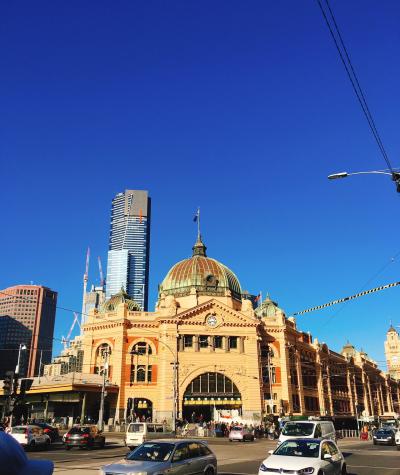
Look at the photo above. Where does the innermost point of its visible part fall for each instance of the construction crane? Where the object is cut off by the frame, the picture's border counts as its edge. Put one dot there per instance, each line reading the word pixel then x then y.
pixel 102 281
pixel 85 282
pixel 65 340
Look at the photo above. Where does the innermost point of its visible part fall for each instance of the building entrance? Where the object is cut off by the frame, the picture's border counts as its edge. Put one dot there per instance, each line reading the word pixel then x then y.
pixel 211 396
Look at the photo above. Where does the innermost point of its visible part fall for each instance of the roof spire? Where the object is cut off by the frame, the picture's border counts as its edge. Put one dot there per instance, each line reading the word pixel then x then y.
pixel 199 249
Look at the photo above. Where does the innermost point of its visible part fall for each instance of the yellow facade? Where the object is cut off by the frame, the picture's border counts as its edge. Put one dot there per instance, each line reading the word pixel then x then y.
pixel 206 348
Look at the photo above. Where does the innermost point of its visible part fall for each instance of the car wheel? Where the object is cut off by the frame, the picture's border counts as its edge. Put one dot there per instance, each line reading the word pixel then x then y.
pixel 68 447
pixel 344 469
pixel 209 471
pixel 32 445
pixel 131 448
pixel 102 444
pixel 374 442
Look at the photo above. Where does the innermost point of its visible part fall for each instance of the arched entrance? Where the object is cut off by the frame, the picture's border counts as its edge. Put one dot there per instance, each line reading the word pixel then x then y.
pixel 140 407
pixel 211 396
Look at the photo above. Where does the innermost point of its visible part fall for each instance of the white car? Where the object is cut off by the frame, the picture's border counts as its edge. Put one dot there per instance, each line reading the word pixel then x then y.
pixel 30 436
pixel 305 457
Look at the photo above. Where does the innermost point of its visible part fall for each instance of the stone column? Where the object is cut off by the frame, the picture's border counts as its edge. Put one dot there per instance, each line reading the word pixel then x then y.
pixel 328 381
pixel 241 344
pixel 300 381
pixel 196 342
pixel 286 380
pixel 380 399
pixel 371 402
pixel 83 408
pixel 350 390
pixel 320 384
pixel 225 343
pixel 389 397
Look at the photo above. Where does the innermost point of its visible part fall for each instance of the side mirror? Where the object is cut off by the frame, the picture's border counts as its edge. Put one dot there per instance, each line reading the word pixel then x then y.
pixel 327 457
pixel 270 452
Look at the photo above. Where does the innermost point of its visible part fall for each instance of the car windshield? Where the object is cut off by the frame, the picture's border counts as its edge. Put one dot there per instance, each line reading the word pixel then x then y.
pixel 237 428
pixel 135 428
pixel 384 432
pixel 298 429
pixel 79 430
pixel 298 448
pixel 156 452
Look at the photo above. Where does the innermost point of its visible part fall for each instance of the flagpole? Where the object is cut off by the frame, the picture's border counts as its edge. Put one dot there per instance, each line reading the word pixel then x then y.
pixel 198 224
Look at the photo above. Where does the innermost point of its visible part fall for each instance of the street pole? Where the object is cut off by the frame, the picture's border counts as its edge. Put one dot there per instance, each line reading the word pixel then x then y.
pixel 103 391
pixel 40 365
pixel 271 403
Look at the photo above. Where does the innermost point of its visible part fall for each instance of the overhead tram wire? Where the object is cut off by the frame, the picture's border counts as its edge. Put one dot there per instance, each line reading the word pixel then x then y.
pixel 379 272
pixel 353 79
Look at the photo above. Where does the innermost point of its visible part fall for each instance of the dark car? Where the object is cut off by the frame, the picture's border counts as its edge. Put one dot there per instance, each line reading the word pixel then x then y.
pixel 51 431
pixel 84 437
pixel 384 436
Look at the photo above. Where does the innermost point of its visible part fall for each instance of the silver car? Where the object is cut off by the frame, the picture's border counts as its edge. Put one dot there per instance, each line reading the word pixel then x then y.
pixel 175 456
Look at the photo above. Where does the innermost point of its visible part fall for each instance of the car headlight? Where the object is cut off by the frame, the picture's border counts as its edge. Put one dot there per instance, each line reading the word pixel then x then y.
pixel 263 468
pixel 136 473
pixel 306 471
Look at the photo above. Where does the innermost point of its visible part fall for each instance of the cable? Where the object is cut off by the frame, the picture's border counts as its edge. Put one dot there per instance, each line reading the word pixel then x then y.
pixel 354 80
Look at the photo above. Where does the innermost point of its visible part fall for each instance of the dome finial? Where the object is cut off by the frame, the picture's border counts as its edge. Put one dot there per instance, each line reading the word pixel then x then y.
pixel 199 249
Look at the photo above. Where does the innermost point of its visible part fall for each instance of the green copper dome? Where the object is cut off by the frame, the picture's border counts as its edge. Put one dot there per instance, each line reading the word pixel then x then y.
pixel 121 297
pixel 206 275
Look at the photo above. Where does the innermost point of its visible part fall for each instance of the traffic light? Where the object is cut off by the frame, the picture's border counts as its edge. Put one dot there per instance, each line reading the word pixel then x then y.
pixel 15 384
pixel 8 383
pixel 25 386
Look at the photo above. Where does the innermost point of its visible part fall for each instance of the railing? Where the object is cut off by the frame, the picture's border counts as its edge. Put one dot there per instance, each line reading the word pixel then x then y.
pixel 347 433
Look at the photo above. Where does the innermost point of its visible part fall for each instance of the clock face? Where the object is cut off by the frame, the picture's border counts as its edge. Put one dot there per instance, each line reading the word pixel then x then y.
pixel 211 321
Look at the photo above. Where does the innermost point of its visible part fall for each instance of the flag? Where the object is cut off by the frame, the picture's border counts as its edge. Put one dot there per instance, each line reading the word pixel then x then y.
pixel 258 297
pixel 140 216
pixel 196 216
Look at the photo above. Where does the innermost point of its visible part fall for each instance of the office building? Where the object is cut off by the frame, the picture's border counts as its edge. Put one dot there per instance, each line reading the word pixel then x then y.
pixel 33 307
pixel 12 334
pixel 129 243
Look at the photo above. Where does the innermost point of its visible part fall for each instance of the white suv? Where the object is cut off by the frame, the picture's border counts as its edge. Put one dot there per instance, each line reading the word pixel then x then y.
pixel 30 436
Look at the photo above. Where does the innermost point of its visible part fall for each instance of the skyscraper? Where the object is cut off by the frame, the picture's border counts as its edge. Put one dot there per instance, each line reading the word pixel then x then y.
pixel 129 246
pixel 27 315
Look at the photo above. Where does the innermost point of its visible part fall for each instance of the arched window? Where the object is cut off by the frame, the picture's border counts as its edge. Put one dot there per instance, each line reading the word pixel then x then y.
pixel 142 348
pixel 212 383
pixel 103 355
pixel 141 368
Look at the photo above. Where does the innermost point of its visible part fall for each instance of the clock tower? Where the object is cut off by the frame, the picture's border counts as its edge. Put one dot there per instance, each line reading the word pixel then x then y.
pixel 392 352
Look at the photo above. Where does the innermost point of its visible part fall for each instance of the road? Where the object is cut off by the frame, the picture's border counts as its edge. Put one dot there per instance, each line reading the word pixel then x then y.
pixel 362 458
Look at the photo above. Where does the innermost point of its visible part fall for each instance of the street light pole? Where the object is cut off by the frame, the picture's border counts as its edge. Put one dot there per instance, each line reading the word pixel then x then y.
pixel 21 347
pixel 395 175
pixel 103 390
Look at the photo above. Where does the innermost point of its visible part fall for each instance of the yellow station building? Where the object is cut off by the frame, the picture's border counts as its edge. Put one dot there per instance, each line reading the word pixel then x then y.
pixel 205 351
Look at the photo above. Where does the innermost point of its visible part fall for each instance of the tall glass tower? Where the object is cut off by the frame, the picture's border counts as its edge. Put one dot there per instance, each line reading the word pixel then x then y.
pixel 129 246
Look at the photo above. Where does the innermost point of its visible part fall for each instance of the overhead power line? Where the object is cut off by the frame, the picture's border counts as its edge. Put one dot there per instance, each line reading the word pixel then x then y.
pixel 348 65
pixel 345 299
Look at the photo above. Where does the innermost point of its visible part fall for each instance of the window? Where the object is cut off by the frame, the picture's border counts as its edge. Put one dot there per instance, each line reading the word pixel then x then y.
pixel 181 453
pixel 194 450
pixel 188 341
pixel 203 341
pixel 233 342
pixel 218 342
pixel 142 348
pixel 141 374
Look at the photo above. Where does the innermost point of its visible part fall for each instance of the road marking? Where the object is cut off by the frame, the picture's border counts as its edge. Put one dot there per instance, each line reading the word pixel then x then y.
pixel 373 466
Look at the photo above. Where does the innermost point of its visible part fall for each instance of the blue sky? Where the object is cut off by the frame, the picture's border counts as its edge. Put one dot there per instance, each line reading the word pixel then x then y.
pixel 240 108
